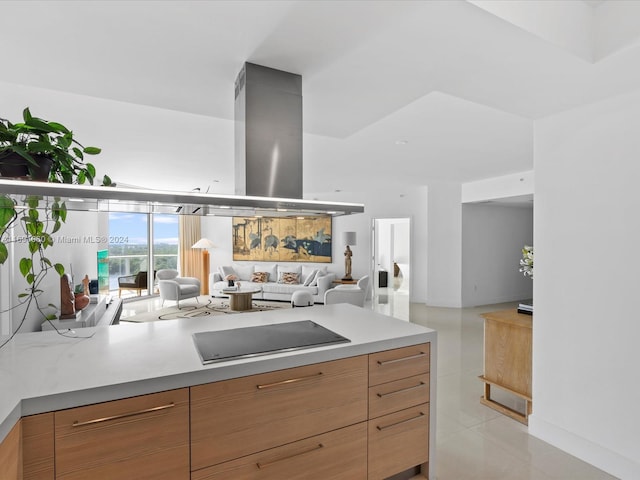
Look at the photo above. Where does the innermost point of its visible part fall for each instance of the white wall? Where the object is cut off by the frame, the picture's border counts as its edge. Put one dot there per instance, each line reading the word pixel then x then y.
pixel 444 245
pixel 492 241
pixel 586 328
pixel 505 186
pixel 141 146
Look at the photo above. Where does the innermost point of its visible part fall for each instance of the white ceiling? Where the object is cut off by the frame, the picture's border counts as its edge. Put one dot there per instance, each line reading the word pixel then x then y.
pixel 460 82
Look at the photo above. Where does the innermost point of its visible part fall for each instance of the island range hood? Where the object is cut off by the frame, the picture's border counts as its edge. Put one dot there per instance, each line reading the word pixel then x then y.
pixel 268 164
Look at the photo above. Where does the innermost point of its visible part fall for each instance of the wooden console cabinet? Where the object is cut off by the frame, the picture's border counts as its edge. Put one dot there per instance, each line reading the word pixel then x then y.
pixel 507 359
pixel 357 418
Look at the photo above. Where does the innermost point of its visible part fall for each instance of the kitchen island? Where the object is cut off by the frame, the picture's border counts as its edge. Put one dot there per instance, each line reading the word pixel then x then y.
pixel 278 411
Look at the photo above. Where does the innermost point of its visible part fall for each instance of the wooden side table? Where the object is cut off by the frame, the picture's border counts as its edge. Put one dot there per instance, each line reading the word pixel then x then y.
pixel 507 359
pixel 346 282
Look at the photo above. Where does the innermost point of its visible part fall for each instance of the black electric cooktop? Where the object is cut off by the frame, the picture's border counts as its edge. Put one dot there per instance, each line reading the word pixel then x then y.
pixel 223 345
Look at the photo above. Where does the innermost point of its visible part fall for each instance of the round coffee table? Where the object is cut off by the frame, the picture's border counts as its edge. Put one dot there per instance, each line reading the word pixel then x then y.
pixel 240 300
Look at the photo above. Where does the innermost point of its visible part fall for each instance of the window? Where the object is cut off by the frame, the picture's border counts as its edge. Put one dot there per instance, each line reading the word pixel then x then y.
pixel 130 248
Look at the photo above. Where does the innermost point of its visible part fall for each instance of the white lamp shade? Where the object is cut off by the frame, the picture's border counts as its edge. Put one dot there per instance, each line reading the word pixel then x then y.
pixel 349 238
pixel 203 243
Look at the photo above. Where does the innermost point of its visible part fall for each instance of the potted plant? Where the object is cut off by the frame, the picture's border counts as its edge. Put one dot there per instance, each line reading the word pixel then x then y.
pixel 44 150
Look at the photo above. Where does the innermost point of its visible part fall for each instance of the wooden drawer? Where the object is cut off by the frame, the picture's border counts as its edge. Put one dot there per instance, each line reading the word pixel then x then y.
pixel 400 363
pixel 144 437
pixel 393 396
pixel 398 441
pixel 233 418
pixel 337 455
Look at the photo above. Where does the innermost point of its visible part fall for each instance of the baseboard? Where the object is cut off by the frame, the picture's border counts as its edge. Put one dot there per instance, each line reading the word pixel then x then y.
pixel 600 457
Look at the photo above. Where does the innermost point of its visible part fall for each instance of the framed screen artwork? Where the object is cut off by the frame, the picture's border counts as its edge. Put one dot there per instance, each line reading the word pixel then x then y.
pixel 280 239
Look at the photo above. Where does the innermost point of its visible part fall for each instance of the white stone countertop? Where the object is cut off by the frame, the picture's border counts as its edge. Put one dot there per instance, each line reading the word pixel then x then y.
pixel 43 371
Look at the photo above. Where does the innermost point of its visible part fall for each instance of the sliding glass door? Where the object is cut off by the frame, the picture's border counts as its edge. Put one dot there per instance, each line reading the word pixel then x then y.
pixel 134 239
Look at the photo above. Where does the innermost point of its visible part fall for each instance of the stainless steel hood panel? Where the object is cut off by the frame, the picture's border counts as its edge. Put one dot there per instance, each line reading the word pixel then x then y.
pixel 268 132
pixel 116 199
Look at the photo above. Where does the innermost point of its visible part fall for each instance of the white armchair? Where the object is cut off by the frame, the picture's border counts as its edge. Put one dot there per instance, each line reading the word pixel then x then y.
pixel 173 287
pixel 354 294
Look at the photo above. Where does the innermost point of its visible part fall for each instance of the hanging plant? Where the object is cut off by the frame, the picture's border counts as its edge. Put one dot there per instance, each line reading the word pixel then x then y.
pixel 32 143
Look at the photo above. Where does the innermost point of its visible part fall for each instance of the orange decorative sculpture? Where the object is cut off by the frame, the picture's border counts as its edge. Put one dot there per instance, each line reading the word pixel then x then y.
pixel 67 300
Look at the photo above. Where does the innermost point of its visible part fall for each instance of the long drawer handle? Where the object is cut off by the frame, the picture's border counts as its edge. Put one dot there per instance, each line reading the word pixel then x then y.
pixel 381 395
pixel 401 359
pixel 123 415
pixel 290 380
pixel 400 422
pixel 268 464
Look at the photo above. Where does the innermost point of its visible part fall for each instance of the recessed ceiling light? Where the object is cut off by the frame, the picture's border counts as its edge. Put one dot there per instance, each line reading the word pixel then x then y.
pixel 402 142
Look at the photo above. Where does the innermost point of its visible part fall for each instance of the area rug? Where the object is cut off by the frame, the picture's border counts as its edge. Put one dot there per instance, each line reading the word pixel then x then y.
pixel 212 307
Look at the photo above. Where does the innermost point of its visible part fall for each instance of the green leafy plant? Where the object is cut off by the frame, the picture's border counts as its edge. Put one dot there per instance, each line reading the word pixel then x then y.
pixel 37 219
pixel 35 141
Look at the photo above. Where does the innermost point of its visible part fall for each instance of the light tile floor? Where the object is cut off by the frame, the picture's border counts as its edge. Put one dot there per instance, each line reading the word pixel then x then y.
pixel 472 440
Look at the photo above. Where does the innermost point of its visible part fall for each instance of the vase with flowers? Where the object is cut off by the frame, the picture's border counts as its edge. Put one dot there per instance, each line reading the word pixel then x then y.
pixel 526 262
pixel 526 268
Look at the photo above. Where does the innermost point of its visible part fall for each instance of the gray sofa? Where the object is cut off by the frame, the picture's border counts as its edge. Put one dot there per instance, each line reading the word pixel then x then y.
pixel 314 279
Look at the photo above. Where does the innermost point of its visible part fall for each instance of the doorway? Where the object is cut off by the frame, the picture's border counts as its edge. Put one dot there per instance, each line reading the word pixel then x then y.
pixel 391 265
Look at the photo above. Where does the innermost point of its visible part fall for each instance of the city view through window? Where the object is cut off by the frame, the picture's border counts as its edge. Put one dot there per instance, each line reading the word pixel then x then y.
pixel 130 249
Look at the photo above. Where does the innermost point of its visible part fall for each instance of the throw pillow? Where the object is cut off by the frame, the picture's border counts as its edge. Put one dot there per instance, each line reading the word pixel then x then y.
pixel 307 271
pixel 310 278
pixel 319 275
pixel 226 271
pixel 244 272
pixel 289 278
pixel 271 269
pixel 260 277
pixel 289 269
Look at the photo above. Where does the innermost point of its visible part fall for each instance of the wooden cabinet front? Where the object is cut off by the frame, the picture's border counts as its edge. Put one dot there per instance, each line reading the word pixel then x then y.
pixel 10 454
pixel 399 363
pixel 337 455
pixel 144 437
pixel 38 447
pixel 508 360
pixel 399 402
pixel 234 418
pixel 393 396
pixel 398 441
pixel 349 419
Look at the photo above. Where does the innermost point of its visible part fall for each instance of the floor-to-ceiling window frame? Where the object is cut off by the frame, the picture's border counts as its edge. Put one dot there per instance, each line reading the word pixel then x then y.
pixel 134 239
